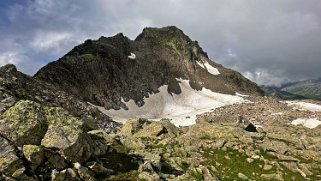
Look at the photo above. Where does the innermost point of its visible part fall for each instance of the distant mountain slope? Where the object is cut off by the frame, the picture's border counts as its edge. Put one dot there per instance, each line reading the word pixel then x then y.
pixel 278 93
pixel 309 89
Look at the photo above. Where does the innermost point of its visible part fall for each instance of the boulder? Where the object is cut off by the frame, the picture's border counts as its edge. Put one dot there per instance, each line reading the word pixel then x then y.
pixel 273 176
pixel 246 124
pixel 99 169
pixel 34 154
pixel 9 161
pixel 149 176
pixel 21 175
pixel 66 134
pixel 241 176
pixel 207 176
pixel 156 129
pixel 132 143
pixel 84 173
pixel 55 160
pixel 64 175
pixel 133 126
pixel 101 141
pixel 24 123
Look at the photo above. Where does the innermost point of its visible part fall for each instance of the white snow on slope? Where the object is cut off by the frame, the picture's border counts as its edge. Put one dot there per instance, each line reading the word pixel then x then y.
pixel 304 106
pixel 200 64
pixel 309 123
pixel 181 108
pixel 209 68
pixel 241 95
pixel 132 56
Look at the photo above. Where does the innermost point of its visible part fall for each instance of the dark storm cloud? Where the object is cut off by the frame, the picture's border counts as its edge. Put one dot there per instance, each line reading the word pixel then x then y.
pixel 268 41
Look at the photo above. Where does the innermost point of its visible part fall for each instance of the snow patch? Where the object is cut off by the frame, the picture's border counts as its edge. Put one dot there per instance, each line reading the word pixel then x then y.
pixel 132 56
pixel 277 113
pixel 200 64
pixel 241 95
pixel 210 69
pixel 309 123
pixel 304 106
pixel 181 109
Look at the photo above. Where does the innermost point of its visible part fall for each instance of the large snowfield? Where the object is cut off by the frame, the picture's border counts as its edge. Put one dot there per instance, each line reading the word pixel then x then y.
pixel 181 109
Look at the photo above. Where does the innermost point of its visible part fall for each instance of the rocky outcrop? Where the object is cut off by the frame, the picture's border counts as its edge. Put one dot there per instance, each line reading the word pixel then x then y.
pixel 36 139
pixel 15 86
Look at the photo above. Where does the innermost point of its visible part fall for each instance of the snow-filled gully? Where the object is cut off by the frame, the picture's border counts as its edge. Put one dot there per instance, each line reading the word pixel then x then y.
pixel 181 109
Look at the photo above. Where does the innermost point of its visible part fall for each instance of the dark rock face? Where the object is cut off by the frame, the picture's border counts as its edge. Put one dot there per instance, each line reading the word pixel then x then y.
pixel 100 71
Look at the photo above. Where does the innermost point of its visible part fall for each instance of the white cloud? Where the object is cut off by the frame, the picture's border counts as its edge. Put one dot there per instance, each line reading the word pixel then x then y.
pixel 10 58
pixel 279 38
pixel 264 77
pixel 51 42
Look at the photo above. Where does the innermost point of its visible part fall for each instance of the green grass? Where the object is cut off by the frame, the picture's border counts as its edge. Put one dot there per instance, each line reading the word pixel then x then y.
pixel 197 175
pixel 230 162
pixel 184 166
pixel 227 169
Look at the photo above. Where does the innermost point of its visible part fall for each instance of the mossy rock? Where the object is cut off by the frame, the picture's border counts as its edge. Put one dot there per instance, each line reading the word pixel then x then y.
pixel 65 133
pixel 9 161
pixel 24 123
pixel 133 126
pixel 34 154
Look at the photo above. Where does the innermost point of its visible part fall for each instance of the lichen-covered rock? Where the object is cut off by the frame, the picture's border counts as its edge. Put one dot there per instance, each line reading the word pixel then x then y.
pixel 273 176
pixel 101 141
pixel 133 126
pixel 155 129
pixel 66 134
pixel 98 168
pixel 6 102
pixel 102 135
pixel 24 123
pixel 55 161
pixel 34 154
pixel 21 175
pixel 64 175
pixel 207 176
pixel 9 161
pixel 58 176
pixel 84 173
pixel 149 176
pixel 132 143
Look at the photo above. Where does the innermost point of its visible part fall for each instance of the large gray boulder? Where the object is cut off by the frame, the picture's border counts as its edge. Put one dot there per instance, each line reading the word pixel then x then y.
pixel 66 133
pixel 24 123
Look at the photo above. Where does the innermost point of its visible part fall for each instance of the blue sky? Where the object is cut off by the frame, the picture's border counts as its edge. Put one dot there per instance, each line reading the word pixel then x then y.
pixel 270 42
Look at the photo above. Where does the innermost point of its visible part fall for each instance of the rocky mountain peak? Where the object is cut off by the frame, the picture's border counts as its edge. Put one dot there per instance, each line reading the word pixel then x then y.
pixel 171 38
pixel 104 71
pixel 154 34
pixel 9 68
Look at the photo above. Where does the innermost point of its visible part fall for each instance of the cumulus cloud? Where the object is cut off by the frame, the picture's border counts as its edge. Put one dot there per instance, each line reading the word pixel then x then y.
pixel 270 42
